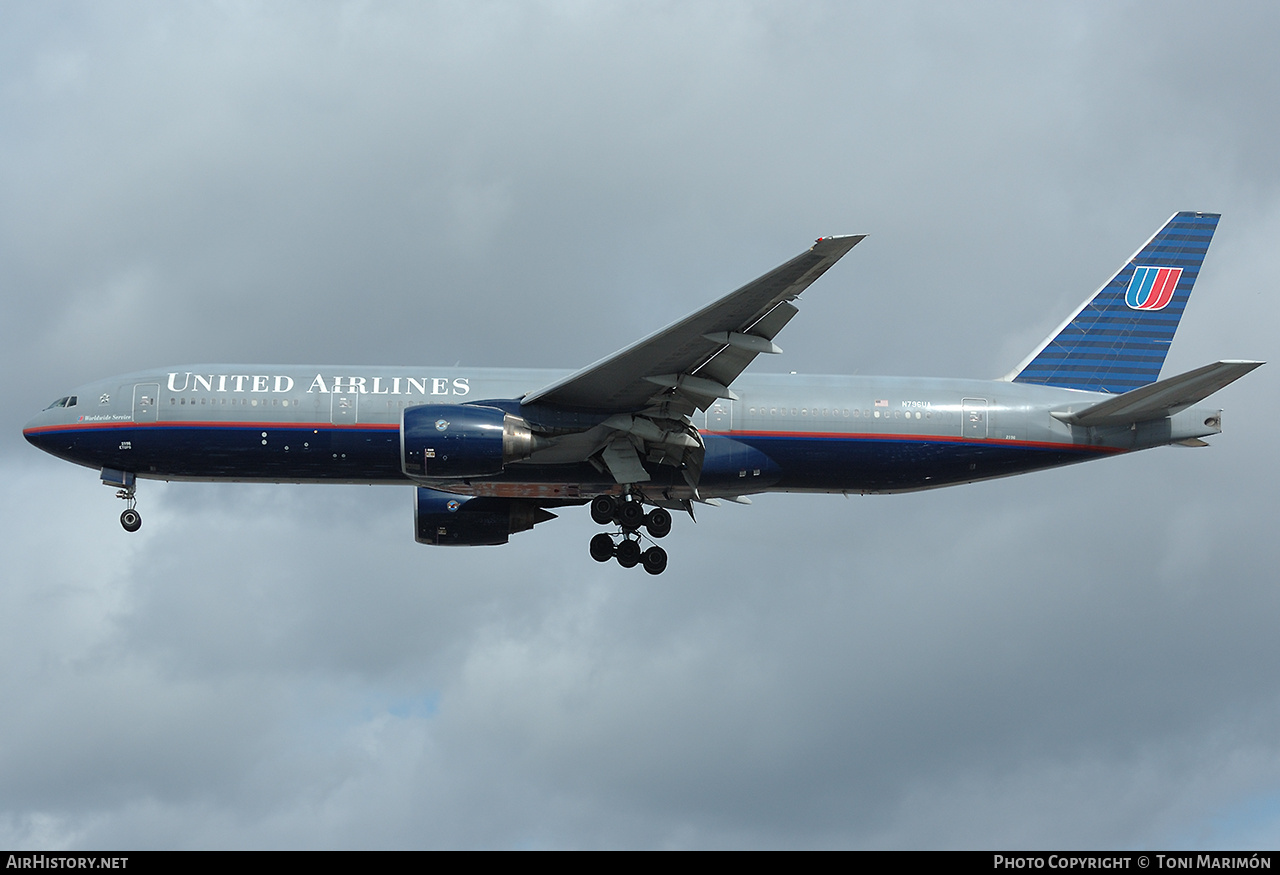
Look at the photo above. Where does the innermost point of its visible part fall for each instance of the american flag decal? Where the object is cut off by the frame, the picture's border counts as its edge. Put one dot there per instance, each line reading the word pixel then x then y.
pixel 1152 287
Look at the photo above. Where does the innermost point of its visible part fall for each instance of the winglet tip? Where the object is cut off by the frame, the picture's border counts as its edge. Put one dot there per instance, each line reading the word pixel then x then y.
pixel 844 242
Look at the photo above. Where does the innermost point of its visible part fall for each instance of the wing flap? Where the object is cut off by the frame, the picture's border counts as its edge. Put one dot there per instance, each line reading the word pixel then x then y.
pixel 771 323
pixel 1160 399
pixel 725 366
pixel 623 462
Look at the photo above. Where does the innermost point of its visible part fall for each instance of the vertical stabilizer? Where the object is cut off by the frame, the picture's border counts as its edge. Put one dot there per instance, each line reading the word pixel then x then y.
pixel 1118 339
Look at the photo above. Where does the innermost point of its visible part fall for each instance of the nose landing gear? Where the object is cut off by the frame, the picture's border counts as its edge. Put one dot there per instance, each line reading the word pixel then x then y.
pixel 130 520
pixel 630 516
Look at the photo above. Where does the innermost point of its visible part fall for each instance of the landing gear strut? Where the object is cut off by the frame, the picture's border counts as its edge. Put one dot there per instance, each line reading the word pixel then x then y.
pixel 629 515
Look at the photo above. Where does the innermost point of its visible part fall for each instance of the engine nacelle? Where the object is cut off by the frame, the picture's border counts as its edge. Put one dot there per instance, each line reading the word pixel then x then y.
pixel 444 519
pixel 461 440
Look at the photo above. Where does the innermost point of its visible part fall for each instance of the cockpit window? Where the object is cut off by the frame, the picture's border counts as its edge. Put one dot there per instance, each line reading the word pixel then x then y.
pixel 71 400
pixel 61 402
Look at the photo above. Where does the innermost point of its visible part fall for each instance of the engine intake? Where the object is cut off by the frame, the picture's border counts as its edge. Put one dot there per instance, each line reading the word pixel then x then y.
pixel 461 440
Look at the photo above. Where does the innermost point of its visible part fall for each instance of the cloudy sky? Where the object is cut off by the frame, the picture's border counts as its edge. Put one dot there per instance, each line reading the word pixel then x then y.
pixel 1078 658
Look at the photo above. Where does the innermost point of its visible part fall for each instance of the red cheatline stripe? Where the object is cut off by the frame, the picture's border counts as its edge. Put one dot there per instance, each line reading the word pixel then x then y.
pixel 92 426
pixel 917 438
pixel 370 426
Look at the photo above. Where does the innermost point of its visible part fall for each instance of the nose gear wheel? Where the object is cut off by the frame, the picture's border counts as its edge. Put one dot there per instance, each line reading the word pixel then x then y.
pixel 131 520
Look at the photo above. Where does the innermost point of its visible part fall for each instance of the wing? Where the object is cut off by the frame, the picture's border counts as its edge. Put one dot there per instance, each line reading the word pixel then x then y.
pixel 690 363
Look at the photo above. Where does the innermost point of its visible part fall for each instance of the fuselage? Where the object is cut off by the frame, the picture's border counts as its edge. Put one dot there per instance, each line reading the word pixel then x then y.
pixel 788 432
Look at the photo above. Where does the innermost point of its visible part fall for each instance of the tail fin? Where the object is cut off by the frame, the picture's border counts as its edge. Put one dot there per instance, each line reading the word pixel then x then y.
pixel 1118 339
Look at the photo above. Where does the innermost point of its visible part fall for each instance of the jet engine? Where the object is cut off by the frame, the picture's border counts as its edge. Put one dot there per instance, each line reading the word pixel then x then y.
pixel 461 440
pixel 445 519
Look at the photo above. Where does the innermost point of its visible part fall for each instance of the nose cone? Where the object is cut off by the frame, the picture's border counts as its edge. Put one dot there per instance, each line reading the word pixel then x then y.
pixel 64 429
pixel 47 430
pixel 37 431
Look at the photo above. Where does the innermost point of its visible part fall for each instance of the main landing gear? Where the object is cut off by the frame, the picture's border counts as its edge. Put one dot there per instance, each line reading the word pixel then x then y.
pixel 628 513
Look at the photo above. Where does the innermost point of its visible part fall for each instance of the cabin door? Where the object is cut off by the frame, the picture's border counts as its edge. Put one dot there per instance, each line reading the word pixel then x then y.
pixel 344 407
pixel 145 396
pixel 720 415
pixel 973 417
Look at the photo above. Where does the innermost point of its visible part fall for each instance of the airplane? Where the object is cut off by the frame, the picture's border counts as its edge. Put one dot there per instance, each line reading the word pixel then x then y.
pixel 666 422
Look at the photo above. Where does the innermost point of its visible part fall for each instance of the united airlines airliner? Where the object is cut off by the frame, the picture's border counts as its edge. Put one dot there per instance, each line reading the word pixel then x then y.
pixel 666 422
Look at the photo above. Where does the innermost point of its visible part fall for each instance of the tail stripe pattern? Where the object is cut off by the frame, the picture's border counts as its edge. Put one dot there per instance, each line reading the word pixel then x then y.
pixel 1118 339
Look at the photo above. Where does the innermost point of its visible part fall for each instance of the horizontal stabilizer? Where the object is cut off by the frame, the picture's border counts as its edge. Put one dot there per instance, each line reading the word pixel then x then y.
pixel 1160 399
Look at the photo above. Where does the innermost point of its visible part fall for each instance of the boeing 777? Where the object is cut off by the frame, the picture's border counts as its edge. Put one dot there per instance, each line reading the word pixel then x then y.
pixel 665 422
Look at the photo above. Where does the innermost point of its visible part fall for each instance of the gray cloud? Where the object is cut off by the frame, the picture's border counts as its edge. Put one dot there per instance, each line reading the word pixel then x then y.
pixel 1083 657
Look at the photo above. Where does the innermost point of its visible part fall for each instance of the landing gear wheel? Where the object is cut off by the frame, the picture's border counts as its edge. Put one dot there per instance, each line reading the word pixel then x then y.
pixel 658 524
pixel 603 507
pixel 655 560
pixel 629 554
pixel 631 515
pixel 131 520
pixel 602 548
